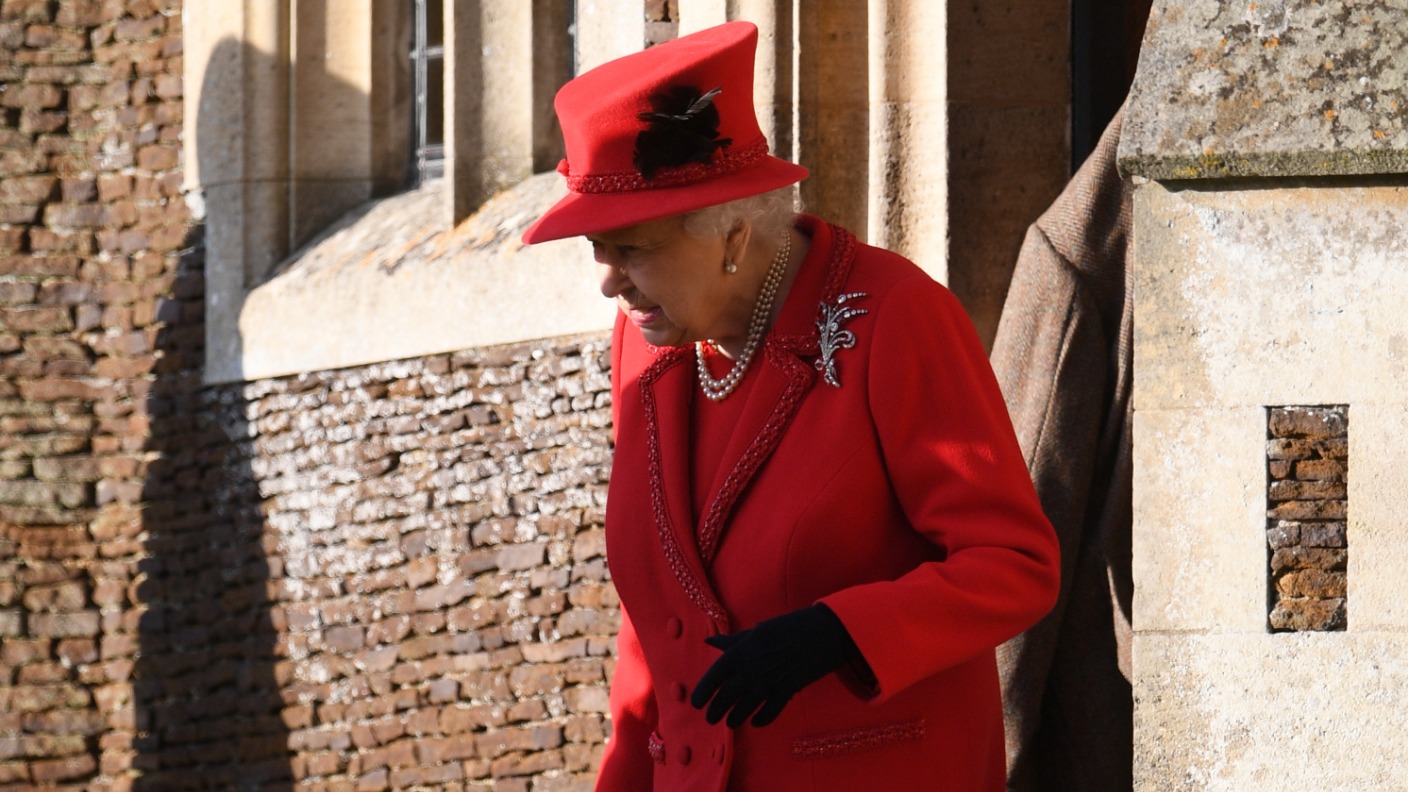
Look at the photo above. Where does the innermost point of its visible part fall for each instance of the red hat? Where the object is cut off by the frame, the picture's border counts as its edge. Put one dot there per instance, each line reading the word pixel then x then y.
pixel 662 132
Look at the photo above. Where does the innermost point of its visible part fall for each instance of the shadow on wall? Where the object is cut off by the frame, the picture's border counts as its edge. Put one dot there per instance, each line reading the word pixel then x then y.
pixel 387 576
pixel 208 703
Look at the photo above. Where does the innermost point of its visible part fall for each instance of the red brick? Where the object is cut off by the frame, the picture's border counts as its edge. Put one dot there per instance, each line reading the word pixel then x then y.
pixel 65 292
pixel 60 598
pixel 39 266
pixel 124 367
pixel 27 10
pixel 88 13
pixel 17 292
pixel 20 651
pixel 27 189
pixel 129 29
pixel 47 319
pixel 75 215
pixel 158 158
pixel 49 240
pixel 64 625
pixel 37 122
pixel 54 347
pixel 71 768
pixel 112 186
pixel 50 390
pixel 168 86
pixel 18 215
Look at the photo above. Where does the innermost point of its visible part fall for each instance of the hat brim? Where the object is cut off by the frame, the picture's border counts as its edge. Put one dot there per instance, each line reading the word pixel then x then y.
pixel 578 214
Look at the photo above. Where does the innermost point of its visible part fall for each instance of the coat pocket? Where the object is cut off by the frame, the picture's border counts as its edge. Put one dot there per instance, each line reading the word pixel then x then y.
pixel 857 740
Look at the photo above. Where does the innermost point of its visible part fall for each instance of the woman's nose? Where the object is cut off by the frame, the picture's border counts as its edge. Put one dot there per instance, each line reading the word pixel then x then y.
pixel 613 280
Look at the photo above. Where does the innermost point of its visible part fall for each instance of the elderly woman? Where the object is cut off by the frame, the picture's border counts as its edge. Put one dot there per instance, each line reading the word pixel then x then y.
pixel 819 521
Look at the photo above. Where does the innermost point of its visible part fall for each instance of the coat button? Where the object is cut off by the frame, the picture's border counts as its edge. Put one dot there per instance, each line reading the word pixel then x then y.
pixel 674 627
pixel 679 691
pixel 685 754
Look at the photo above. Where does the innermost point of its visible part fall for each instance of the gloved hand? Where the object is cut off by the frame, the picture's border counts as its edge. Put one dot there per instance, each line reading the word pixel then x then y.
pixel 762 668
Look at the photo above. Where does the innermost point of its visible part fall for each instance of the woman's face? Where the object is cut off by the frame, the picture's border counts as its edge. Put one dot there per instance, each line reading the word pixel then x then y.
pixel 670 284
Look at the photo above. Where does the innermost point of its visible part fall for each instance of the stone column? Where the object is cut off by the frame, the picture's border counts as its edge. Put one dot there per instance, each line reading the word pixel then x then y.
pixel 1271 635
pixel 1008 108
pixel 831 123
pixel 908 186
pixel 330 146
pixel 236 150
pixel 496 55
pixel 608 29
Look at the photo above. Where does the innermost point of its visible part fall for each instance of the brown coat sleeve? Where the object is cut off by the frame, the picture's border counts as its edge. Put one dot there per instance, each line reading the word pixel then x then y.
pixel 1063 358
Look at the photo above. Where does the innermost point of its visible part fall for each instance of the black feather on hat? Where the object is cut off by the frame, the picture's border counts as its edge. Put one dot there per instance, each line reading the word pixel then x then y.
pixel 683 127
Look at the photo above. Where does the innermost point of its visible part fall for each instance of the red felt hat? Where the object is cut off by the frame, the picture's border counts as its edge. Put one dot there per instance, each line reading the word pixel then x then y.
pixel 648 136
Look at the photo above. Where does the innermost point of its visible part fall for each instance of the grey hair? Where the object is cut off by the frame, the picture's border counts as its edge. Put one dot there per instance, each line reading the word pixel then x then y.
pixel 770 214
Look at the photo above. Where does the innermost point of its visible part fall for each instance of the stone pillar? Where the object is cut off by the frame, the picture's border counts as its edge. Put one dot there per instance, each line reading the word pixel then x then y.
pixel 236 149
pixel 908 189
pixel 330 148
pixel 1268 144
pixel 608 29
pixel 832 116
pixel 496 54
pixel 1008 108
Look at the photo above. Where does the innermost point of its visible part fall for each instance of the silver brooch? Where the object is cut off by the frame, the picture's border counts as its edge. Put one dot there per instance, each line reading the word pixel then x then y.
pixel 833 338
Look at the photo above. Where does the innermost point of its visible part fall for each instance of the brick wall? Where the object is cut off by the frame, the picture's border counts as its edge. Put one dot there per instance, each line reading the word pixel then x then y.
pixel 1307 452
pixel 91 228
pixel 385 577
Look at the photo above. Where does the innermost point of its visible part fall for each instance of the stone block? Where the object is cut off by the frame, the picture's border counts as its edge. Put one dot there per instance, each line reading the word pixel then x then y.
pixel 1315 583
pixel 64 625
pixel 1308 422
pixel 69 768
pixel 1213 690
pixel 1200 520
pixel 1258 340
pixel 31 95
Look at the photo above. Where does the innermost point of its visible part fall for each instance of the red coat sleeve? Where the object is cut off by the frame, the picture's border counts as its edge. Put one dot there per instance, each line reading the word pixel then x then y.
pixel 955 466
pixel 626 764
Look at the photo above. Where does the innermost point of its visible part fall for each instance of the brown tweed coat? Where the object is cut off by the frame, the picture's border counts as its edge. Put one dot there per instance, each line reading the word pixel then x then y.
pixel 1063 356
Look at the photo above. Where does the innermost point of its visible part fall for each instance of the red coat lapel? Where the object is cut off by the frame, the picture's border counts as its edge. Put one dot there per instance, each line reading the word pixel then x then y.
pixel 783 380
pixel 665 394
pixel 785 374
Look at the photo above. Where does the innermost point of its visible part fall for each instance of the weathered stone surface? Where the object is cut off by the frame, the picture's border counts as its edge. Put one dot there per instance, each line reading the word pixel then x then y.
pixel 1295 88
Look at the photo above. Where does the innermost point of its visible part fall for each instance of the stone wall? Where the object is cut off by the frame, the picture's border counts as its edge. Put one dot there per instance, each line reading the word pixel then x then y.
pixel 380 577
pixel 387 577
pixel 1307 452
pixel 92 312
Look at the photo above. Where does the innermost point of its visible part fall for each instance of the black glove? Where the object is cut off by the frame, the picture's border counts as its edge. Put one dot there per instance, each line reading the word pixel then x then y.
pixel 762 668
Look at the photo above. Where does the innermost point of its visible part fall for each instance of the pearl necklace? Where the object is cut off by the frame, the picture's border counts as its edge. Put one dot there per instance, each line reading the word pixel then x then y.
pixel 719 389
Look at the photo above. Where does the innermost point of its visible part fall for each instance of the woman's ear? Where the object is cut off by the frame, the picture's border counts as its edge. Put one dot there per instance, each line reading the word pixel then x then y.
pixel 736 240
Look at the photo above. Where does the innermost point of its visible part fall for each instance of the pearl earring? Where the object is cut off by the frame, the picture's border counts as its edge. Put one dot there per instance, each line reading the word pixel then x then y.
pixel 729 266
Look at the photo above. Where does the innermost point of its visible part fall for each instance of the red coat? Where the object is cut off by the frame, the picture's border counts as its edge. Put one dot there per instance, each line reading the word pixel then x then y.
pixel 899 499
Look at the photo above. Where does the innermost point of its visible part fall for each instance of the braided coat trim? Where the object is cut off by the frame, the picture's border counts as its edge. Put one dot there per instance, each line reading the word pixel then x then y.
pixel 699 593
pixel 859 740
